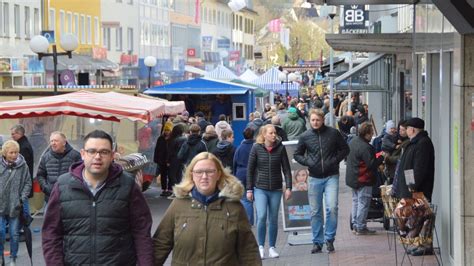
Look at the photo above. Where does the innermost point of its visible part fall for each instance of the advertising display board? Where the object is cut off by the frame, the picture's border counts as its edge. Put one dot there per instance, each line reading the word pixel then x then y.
pixel 296 212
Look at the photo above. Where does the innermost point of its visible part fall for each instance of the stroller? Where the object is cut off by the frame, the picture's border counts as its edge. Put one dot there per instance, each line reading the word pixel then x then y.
pixel 376 209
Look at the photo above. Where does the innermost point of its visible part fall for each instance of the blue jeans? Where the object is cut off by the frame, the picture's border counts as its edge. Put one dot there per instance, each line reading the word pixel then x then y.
pixel 248 206
pixel 267 200
pixel 14 224
pixel 329 188
pixel 360 206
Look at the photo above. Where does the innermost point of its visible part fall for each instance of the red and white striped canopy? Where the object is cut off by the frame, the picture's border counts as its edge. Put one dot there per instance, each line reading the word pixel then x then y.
pixel 111 106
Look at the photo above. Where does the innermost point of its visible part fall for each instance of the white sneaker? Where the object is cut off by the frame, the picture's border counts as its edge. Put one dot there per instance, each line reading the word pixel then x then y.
pixel 12 263
pixel 272 253
pixel 261 249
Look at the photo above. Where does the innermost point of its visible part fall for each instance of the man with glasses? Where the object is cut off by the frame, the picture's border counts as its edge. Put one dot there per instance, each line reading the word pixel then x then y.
pixel 97 214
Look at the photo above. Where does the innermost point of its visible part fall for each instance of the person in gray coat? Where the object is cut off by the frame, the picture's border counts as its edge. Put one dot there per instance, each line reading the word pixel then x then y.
pixel 15 185
pixel 55 161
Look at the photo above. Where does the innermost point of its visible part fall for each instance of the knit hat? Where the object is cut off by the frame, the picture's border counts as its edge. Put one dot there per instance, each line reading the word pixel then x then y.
pixel 168 126
pixel 416 123
pixel 389 125
pixel 292 110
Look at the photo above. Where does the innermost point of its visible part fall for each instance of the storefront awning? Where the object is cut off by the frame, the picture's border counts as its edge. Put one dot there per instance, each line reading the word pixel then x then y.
pixel 390 43
pixel 358 68
pixel 80 63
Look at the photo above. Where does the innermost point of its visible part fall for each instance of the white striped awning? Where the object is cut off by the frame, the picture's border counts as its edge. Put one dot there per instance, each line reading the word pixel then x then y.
pixel 248 76
pixel 269 81
pixel 222 73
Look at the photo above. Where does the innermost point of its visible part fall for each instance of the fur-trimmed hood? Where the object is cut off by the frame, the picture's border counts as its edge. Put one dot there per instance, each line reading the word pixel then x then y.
pixel 233 190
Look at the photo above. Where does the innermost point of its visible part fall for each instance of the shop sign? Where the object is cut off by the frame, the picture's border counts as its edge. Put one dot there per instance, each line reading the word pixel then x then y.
pixel 191 52
pixel 9 64
pixel 206 43
pixel 128 59
pixel 99 53
pixel 234 55
pixel 355 18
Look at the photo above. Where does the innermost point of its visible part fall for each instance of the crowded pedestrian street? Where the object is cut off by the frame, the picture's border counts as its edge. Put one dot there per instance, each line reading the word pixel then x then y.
pixel 350 249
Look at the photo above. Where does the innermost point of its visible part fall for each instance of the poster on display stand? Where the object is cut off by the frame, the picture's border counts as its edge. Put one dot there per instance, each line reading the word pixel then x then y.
pixel 296 212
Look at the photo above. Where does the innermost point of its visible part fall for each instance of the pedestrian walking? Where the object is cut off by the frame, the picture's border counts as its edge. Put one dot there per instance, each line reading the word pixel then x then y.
pixel 361 176
pixel 15 186
pixel 161 159
pixel 210 138
pixel 225 149
pixel 206 224
pixel 55 161
pixel 97 214
pixel 293 125
pixel 321 149
pixel 175 165
pixel 192 146
pixel 267 160
pixel 241 160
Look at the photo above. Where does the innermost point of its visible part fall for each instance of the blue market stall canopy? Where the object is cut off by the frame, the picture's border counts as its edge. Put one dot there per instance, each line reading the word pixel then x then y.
pixel 201 86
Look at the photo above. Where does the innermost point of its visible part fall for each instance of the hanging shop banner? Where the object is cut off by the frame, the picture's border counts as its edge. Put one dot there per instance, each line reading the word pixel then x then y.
pixel 355 19
pixel 296 211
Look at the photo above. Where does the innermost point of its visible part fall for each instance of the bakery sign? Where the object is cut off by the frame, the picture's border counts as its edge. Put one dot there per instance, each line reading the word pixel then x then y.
pixel 355 19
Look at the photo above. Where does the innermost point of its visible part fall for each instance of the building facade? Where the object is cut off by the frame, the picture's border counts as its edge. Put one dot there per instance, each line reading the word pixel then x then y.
pixel 243 39
pixel 19 22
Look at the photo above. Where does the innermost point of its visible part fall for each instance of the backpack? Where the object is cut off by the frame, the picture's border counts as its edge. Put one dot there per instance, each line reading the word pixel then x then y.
pixel 377 143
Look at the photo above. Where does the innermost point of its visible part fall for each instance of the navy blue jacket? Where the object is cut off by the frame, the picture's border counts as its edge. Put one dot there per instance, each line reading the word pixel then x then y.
pixel 241 160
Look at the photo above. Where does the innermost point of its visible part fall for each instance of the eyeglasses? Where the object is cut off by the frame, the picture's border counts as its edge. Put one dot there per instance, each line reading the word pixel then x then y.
pixel 200 172
pixel 94 152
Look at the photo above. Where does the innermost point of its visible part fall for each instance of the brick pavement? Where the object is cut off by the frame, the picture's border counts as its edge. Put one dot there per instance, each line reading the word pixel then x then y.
pixel 350 249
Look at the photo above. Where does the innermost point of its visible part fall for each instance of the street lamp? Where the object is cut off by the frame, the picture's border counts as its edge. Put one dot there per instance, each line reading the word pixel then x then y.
pixel 39 44
pixel 287 78
pixel 150 62
pixel 330 12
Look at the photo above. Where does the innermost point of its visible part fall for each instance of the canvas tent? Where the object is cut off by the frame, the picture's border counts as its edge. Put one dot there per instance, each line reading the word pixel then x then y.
pixel 221 73
pixel 269 81
pixel 110 106
pixel 248 76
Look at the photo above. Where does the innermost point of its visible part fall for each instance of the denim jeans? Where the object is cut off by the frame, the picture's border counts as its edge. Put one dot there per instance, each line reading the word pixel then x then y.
pixel 360 206
pixel 26 208
pixel 248 206
pixel 329 188
pixel 14 234
pixel 267 202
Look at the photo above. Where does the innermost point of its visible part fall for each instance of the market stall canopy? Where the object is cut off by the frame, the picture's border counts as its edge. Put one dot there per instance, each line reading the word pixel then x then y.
pixel 194 70
pixel 80 63
pixel 269 81
pixel 110 106
pixel 201 86
pixel 248 76
pixel 222 73
pixel 258 92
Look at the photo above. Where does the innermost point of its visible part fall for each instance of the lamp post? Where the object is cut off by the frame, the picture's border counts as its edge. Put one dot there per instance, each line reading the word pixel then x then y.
pixel 330 12
pixel 150 62
pixel 287 78
pixel 39 44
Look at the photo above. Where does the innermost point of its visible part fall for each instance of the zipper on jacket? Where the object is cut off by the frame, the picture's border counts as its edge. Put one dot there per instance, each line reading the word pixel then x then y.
pixel 321 150
pixel 269 170
pixel 205 241
pixel 93 222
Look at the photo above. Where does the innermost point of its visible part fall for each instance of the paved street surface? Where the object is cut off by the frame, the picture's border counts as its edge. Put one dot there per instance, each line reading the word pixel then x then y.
pixel 350 249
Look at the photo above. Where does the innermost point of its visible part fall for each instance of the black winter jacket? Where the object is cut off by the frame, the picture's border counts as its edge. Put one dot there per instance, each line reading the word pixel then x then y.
pixel 419 155
pixel 225 152
pixel 321 150
pixel 53 164
pixel 161 150
pixel 192 147
pixel 265 168
pixel 361 164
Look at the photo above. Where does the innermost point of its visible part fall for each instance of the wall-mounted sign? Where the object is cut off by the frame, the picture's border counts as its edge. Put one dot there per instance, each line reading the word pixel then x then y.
pixel 355 17
pixel 48 34
pixel 234 55
pixel 191 52
pixel 99 53
pixel 128 59
pixel 223 43
pixel 67 78
pixel 206 43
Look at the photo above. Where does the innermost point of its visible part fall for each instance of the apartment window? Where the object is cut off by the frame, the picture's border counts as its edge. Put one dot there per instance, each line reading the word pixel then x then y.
pixel 96 31
pixel 36 21
pixel 118 39
pixel 204 15
pixel 69 22
pixel 76 25
pixel 6 19
pixel 16 12
pixel 61 21
pixel 214 16
pixel 89 30
pixel 27 22
pixel 240 23
pixel 106 36
pixel 52 19
pixel 83 29
pixel 130 39
pixel 218 17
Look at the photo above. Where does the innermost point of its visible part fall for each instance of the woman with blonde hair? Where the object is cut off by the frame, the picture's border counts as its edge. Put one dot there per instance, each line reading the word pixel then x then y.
pixel 15 186
pixel 207 200
pixel 267 160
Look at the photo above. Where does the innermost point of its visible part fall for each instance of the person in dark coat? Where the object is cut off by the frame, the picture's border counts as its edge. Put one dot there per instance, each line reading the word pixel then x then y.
pixel 280 131
pixel 193 145
pixel 97 213
pixel 419 156
pixel 210 138
pixel 256 123
pixel 241 160
pixel 361 174
pixel 225 149
pixel 174 145
pixel 201 121
pixel 391 160
pixel 161 159
pixel 55 161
